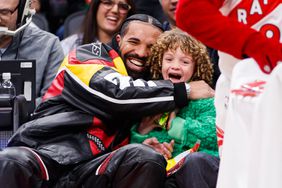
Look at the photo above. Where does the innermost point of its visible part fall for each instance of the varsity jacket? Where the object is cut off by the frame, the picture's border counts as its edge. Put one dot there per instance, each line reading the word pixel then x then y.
pixel 89 108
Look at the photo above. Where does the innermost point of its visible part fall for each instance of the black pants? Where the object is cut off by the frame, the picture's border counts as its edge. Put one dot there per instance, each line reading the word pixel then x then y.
pixel 133 166
pixel 200 170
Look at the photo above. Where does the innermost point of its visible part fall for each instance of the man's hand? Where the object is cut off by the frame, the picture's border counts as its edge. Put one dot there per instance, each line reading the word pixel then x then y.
pixel 200 90
pixel 163 148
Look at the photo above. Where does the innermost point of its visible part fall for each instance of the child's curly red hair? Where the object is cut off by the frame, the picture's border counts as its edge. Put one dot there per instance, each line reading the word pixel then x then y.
pixel 171 40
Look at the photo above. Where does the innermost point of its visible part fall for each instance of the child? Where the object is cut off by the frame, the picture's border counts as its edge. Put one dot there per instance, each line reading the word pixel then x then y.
pixel 180 58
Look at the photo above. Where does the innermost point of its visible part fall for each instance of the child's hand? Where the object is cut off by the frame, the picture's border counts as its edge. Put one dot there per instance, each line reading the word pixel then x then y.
pixel 163 148
pixel 168 149
pixel 148 123
pixel 172 115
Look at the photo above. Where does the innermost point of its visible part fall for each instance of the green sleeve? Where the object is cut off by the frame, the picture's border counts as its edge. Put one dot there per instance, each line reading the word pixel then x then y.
pixel 160 134
pixel 135 137
pixel 197 122
pixel 176 129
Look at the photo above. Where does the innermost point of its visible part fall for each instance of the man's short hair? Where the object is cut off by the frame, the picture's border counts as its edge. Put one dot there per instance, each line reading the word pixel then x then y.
pixel 142 18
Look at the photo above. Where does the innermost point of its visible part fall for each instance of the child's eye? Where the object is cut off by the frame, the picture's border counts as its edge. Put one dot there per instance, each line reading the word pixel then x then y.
pixel 168 59
pixel 186 62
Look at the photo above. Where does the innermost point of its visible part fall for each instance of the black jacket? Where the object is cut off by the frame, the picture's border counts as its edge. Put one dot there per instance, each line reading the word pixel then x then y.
pixel 90 106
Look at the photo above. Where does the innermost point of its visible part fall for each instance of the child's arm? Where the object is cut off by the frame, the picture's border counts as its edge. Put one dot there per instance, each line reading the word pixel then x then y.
pixel 148 123
pixel 135 136
pixel 197 122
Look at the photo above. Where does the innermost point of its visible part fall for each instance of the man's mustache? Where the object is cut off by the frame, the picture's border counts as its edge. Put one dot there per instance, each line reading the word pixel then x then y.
pixel 135 56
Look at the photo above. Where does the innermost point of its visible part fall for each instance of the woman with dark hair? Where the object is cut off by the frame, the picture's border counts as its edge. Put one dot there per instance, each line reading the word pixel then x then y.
pixel 103 19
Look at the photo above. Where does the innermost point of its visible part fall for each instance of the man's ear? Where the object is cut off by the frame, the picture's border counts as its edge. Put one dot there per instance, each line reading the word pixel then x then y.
pixel 118 39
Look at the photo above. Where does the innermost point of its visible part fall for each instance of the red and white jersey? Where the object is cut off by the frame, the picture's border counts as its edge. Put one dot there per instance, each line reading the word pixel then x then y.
pixel 264 16
pixel 227 25
pixel 228 33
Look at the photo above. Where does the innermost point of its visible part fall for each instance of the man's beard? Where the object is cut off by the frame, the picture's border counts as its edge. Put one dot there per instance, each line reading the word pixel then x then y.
pixel 138 75
pixel 144 74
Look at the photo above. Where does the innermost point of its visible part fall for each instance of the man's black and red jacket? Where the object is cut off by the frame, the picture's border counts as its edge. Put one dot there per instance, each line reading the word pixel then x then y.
pixel 90 106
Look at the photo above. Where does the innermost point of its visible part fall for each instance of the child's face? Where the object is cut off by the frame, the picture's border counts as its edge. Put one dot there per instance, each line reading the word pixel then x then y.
pixel 177 66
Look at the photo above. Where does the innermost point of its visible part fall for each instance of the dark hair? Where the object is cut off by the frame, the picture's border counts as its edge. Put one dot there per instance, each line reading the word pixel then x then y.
pixel 21 6
pixel 142 18
pixel 89 30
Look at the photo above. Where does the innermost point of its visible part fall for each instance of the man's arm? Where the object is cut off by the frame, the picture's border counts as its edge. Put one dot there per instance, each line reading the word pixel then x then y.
pixel 94 84
pixel 109 92
pixel 213 29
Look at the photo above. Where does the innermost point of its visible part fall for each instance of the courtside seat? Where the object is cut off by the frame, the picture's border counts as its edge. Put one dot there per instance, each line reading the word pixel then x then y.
pixel 13 113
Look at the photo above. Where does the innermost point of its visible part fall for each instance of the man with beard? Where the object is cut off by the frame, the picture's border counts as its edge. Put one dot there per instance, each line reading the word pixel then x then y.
pixel 77 134
pixel 29 43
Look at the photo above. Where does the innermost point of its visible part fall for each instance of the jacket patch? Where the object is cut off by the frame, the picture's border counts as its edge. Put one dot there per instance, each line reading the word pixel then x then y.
pixel 97 141
pixel 96 49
